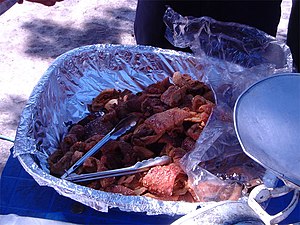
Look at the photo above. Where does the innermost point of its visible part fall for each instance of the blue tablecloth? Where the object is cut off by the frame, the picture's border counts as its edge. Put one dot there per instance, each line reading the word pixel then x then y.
pixel 21 195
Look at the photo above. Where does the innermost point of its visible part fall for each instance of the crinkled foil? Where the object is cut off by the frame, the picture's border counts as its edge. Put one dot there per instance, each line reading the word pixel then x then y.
pixel 61 97
pixel 75 78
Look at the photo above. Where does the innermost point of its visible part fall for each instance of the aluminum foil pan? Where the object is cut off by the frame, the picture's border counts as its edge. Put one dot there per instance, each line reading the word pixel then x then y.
pixel 76 77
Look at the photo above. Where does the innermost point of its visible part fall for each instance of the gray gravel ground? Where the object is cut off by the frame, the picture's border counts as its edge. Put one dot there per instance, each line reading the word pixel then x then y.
pixel 32 36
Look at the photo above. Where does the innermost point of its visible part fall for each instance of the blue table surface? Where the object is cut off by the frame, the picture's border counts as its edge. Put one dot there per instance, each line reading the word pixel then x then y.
pixel 21 195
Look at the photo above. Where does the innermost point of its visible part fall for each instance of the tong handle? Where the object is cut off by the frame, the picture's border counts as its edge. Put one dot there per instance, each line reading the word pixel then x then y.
pixel 121 128
pixel 138 167
pixel 91 152
pixel 157 161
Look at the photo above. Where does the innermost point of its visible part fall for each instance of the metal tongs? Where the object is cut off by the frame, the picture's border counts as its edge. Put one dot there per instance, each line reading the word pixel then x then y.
pixel 121 128
pixel 138 167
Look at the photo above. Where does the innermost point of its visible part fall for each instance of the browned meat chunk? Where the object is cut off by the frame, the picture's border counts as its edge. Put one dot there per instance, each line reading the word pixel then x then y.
pixel 78 146
pixel 76 156
pixel 152 105
pixel 194 131
pixel 106 182
pixel 209 95
pixel 55 156
pixel 173 96
pixel 176 154
pixel 92 141
pixel 217 191
pixel 143 135
pixel 134 102
pixel 188 144
pixel 120 189
pixel 159 87
pixel 129 156
pixel 90 165
pixel 143 153
pixel 193 86
pixel 78 130
pixel 166 121
pixel 100 101
pixel 160 180
pixel 98 126
pixel 207 108
pixel 67 142
pixel 198 101
pixel 62 165
pixel 131 181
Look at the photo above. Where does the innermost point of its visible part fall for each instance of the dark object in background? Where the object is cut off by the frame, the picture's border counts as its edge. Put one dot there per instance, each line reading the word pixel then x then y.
pixel 293 38
pixel 264 15
pixel 150 28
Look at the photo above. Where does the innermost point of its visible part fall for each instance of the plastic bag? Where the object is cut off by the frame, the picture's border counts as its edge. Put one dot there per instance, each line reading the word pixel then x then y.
pixel 232 42
pixel 248 55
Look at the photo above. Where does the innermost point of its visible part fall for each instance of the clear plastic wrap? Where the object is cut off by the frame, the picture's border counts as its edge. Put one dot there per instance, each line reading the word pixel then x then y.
pixel 76 77
pixel 233 42
pixel 248 55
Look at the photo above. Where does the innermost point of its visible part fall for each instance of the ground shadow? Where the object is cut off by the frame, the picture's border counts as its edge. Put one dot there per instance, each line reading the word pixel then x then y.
pixel 48 39
pixel 14 105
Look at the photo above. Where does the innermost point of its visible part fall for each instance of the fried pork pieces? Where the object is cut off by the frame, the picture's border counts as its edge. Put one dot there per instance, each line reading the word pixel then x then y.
pixel 171 118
